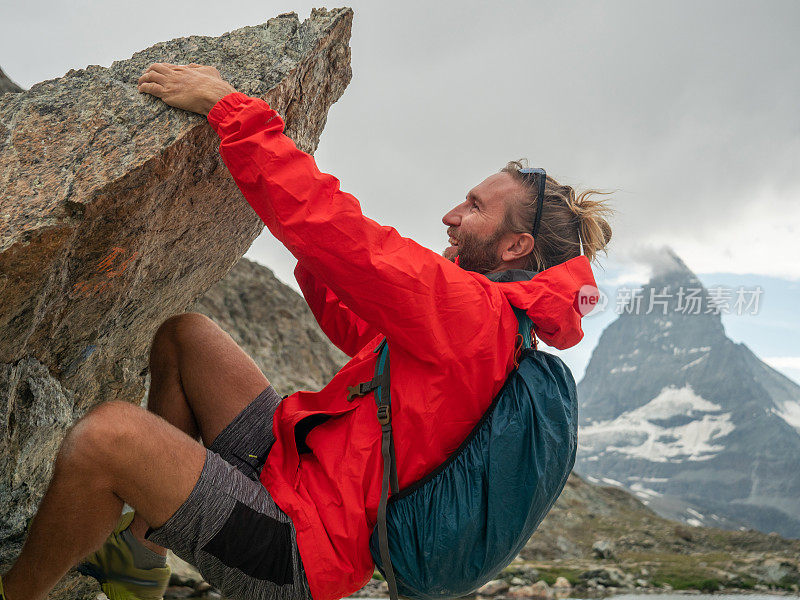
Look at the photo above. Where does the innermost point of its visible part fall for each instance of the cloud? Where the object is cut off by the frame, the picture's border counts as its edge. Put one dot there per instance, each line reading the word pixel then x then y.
pixel 789 366
pixel 759 237
pixel 783 362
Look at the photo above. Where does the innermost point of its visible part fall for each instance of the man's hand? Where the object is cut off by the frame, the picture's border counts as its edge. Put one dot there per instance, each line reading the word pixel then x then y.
pixel 191 87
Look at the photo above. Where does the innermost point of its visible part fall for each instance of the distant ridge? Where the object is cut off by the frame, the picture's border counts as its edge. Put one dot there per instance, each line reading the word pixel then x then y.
pixel 6 85
pixel 274 325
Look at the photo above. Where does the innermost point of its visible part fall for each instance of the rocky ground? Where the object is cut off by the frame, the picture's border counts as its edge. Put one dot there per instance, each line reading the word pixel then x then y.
pixel 601 540
pixel 525 579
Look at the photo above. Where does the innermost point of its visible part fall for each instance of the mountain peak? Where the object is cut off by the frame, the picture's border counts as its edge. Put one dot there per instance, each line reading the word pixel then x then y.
pixel 669 401
pixel 667 266
pixel 673 289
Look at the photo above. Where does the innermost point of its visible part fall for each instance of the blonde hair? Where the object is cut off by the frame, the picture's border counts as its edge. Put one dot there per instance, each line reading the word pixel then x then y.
pixel 568 222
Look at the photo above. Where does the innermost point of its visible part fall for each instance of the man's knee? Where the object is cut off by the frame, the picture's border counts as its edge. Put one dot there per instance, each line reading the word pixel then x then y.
pixel 181 328
pixel 100 437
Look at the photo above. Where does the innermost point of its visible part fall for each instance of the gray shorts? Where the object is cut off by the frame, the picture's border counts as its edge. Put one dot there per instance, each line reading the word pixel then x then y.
pixel 229 527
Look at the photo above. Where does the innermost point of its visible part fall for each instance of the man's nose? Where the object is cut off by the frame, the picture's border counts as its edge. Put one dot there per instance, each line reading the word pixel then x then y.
pixel 452 218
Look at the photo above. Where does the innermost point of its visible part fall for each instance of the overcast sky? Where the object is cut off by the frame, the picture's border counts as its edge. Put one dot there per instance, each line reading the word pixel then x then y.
pixel 687 110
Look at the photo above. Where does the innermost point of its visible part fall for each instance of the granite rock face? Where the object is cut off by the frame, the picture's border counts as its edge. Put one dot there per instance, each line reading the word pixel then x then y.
pixel 116 212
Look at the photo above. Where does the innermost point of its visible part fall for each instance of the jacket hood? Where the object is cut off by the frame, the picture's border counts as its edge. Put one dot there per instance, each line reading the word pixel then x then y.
pixel 555 299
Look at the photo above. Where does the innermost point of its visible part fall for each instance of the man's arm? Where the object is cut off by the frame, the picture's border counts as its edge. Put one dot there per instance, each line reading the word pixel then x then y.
pixel 418 299
pixel 342 326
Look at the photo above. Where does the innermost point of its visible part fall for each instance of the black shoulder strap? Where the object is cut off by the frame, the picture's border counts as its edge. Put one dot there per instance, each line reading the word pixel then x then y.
pixel 383 400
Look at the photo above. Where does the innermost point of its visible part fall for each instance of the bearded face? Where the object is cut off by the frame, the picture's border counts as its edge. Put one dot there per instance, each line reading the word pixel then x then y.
pixel 475 253
pixel 477 226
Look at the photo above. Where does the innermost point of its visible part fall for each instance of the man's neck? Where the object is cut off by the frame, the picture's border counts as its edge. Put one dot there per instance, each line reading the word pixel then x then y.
pixel 510 275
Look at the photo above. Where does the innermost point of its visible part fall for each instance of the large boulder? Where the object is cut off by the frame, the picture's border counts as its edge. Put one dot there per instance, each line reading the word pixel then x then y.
pixel 608 577
pixel 778 570
pixel 117 212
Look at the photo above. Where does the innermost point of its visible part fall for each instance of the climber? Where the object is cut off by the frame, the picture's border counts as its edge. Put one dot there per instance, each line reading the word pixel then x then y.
pixel 281 497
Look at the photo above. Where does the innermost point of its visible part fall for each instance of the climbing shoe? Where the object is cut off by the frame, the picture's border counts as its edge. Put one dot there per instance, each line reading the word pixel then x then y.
pixel 112 566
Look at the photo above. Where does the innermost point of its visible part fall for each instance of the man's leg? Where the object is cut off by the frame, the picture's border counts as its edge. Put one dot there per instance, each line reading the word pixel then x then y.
pixel 200 380
pixel 117 453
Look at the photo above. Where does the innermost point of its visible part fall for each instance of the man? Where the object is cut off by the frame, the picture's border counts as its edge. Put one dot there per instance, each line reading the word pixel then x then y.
pixel 282 499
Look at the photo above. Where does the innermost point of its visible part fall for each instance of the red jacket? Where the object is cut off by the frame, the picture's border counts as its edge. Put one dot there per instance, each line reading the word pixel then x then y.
pixel 451 336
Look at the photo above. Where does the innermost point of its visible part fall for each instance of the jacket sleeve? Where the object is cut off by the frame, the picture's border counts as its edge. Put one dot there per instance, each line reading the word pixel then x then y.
pixel 344 328
pixel 418 299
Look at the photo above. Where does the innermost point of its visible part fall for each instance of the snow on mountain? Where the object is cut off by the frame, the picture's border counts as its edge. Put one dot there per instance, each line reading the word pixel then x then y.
pixel 790 412
pixel 676 425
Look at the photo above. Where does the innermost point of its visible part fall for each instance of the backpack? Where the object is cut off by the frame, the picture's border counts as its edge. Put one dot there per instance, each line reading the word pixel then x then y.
pixel 455 529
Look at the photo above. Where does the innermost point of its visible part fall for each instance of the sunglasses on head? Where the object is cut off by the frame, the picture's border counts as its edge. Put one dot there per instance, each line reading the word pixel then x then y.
pixel 541 179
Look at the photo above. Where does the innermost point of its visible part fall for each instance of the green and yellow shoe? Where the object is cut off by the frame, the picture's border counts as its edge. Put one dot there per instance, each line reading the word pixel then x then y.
pixel 112 566
pixel 2 595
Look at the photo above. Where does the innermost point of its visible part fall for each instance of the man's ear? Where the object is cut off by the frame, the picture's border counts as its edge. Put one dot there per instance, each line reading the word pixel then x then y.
pixel 517 245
